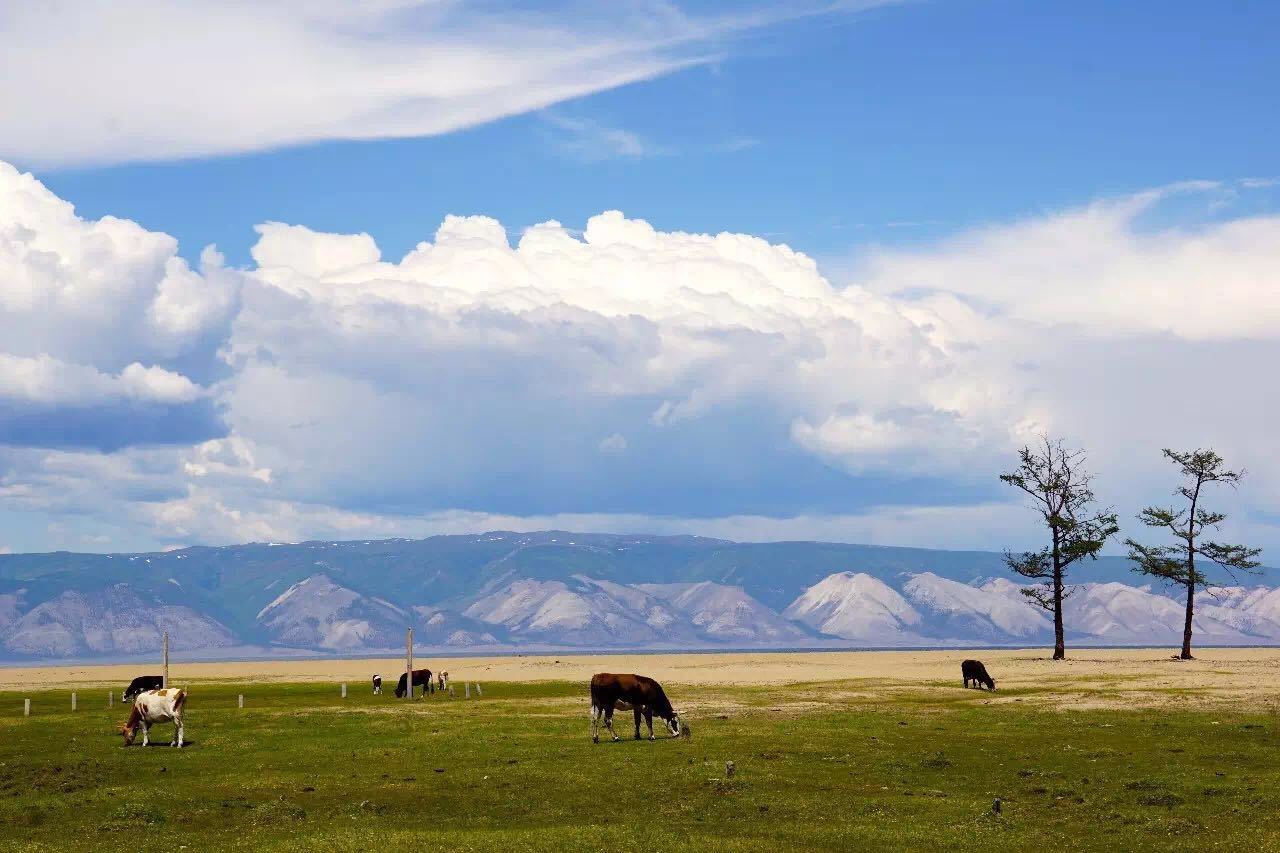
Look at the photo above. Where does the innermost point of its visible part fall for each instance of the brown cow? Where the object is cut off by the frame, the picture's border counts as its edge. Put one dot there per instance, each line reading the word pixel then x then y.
pixel 420 676
pixel 636 693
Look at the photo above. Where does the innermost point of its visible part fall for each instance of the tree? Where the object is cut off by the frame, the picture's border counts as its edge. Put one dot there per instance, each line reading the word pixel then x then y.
pixel 1057 481
pixel 1177 563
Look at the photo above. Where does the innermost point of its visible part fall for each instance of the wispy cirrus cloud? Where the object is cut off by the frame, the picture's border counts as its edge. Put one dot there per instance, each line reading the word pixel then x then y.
pixel 590 141
pixel 88 82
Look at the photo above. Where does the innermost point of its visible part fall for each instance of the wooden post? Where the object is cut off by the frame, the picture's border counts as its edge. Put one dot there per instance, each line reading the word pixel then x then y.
pixel 26 707
pixel 479 692
pixel 164 675
pixel 111 698
pixel 466 685
pixel 73 701
pixel 344 690
pixel 408 664
pixel 240 700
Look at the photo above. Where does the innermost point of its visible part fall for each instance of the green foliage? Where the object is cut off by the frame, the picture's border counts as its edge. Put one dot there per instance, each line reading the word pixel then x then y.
pixel 1176 562
pixel 1058 483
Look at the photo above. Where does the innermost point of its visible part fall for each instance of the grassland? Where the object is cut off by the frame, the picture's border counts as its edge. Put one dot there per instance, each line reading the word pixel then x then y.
pixel 841 765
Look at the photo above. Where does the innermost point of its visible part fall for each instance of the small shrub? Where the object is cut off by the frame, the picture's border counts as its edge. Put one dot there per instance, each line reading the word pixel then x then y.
pixel 1165 800
pixel 937 761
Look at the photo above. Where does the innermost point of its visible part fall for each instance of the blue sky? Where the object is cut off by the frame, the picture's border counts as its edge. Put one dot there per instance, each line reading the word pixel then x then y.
pixel 1025 217
pixel 895 124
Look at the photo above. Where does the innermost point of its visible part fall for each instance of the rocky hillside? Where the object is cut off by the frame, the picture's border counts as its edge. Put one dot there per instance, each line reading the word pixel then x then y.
pixel 505 591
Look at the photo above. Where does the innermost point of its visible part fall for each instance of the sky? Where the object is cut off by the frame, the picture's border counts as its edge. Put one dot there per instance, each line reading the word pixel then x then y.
pixel 284 270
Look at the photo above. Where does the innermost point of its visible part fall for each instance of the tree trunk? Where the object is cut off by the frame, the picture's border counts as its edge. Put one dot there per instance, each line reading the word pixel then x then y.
pixel 1059 643
pixel 1191 574
pixel 1186 628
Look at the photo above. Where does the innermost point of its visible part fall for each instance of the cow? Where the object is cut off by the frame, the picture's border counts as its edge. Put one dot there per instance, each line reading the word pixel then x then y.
pixel 141 683
pixel 637 693
pixel 420 676
pixel 156 706
pixel 442 680
pixel 974 671
pixel 377 685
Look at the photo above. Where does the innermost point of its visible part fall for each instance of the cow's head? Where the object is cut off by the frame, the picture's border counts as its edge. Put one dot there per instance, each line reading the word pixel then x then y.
pixel 991 683
pixel 678 728
pixel 129 728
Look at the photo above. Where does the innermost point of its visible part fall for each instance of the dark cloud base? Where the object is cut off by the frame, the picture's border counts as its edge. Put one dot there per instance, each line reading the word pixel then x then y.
pixel 111 428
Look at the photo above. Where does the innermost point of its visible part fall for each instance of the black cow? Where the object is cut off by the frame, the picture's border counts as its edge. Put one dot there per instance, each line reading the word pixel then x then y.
pixel 420 677
pixel 142 684
pixel 635 693
pixel 974 671
pixel 377 685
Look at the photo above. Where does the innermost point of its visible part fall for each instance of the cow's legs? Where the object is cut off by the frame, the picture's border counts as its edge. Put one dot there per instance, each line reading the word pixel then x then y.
pixel 608 721
pixel 648 720
pixel 638 714
pixel 146 731
pixel 177 733
pixel 595 723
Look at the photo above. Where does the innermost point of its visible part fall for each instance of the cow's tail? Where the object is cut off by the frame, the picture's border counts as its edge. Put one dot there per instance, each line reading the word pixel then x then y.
pixel 180 702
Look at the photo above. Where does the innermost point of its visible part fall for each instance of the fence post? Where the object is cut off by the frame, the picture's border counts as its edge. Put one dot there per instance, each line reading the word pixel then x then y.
pixel 111 698
pixel 26 707
pixel 466 685
pixel 73 701
pixel 164 675
pixel 240 700
pixel 344 690
pixel 408 664
pixel 479 692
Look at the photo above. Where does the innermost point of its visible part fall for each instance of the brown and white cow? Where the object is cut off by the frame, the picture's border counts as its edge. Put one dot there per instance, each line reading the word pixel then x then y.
pixel 156 706
pixel 637 693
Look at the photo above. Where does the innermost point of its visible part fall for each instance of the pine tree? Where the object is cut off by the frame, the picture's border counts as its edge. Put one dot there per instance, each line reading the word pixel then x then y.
pixel 1057 481
pixel 1177 562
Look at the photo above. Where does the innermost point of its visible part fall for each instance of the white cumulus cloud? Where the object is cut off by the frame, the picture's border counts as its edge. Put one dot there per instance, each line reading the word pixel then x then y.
pixel 629 377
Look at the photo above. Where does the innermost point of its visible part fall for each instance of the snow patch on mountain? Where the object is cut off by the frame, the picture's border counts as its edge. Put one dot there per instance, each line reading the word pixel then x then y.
pixel 437 627
pixel 587 612
pixel 856 607
pixel 1130 615
pixel 318 613
pixel 993 613
pixel 726 613
pixel 116 620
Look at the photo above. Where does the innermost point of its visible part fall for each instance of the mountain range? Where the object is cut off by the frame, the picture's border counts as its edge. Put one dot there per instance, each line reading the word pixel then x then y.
pixel 556 590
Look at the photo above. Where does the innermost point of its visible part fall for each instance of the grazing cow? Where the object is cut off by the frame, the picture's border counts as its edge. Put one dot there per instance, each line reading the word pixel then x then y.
pixel 141 683
pixel 442 680
pixel 974 671
pixel 636 693
pixel 420 676
pixel 377 685
pixel 156 706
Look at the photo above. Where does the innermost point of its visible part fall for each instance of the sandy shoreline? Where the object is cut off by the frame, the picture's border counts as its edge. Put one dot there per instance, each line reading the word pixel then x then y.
pixel 1248 674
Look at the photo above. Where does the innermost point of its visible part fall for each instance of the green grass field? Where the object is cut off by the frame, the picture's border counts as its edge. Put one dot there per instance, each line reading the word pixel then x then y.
pixel 302 769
